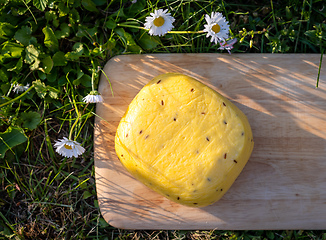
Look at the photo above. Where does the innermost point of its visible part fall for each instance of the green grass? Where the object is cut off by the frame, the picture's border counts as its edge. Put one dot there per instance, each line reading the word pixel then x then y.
pixel 57 47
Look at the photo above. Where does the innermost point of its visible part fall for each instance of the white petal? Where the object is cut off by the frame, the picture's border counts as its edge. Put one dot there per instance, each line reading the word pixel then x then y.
pixel 159 31
pixel 90 98
pixel 216 18
pixel 75 150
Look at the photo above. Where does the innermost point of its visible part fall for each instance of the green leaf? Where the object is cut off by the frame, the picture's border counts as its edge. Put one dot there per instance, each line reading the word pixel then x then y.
pixel 99 2
pixel 120 13
pixel 135 8
pixel 78 47
pixel 35 65
pixel 8 17
pixel 96 203
pixel 80 74
pixel 110 24
pixel 50 16
pixel 10 138
pixel 86 32
pixel 110 44
pixel 10 49
pixel 62 81
pixel 17 67
pixel 148 42
pixel 75 3
pixel 74 16
pixel 63 9
pixel 59 59
pixel 41 75
pixel 6 231
pixel 103 223
pixel 30 119
pixel 120 31
pixel 20 10
pixel 40 88
pixel 85 80
pixel 52 77
pixel 83 185
pixel 270 235
pixel 87 194
pixel 89 5
pixel 31 54
pixel 6 30
pixel 50 41
pixel 4 88
pixel 311 33
pixel 4 2
pixel 23 35
pixel 78 52
pixel 4 75
pixel 64 32
pixel 47 64
pixel 53 92
pixel 128 41
pixel 40 4
pixel 288 13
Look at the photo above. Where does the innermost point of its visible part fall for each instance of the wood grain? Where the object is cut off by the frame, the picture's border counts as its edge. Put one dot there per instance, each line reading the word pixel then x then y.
pixel 283 186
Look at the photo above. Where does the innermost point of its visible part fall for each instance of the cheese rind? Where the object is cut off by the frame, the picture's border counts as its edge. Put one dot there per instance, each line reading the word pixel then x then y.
pixel 184 140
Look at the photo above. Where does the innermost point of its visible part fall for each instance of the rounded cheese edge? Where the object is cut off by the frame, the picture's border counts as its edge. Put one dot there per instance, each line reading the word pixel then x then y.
pixel 132 163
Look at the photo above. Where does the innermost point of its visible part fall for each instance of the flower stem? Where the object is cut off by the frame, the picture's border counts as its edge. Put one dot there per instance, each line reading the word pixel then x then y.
pixel 93 80
pixel 129 26
pixel 76 108
pixel 185 32
pixel 15 99
pixel 320 62
pixel 73 126
pixel 93 73
pixel 108 81
pixel 176 32
pixel 30 11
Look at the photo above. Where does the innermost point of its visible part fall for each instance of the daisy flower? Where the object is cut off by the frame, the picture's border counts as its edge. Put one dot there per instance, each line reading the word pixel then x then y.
pixel 68 148
pixel 159 23
pixel 227 45
pixel 20 88
pixel 93 97
pixel 217 27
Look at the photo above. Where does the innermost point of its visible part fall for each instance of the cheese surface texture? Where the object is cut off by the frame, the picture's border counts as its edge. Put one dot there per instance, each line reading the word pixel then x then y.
pixel 184 140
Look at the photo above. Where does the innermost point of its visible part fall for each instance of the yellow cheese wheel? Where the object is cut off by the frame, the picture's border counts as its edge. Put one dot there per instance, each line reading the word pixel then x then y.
pixel 184 140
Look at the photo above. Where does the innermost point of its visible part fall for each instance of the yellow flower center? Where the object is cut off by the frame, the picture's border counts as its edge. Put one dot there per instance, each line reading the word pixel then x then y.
pixel 67 147
pixel 216 28
pixel 158 22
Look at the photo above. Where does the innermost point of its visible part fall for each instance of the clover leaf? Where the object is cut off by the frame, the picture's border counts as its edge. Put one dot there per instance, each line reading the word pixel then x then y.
pixel 30 119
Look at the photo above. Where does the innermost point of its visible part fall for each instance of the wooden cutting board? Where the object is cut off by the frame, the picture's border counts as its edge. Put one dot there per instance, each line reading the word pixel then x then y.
pixel 283 186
